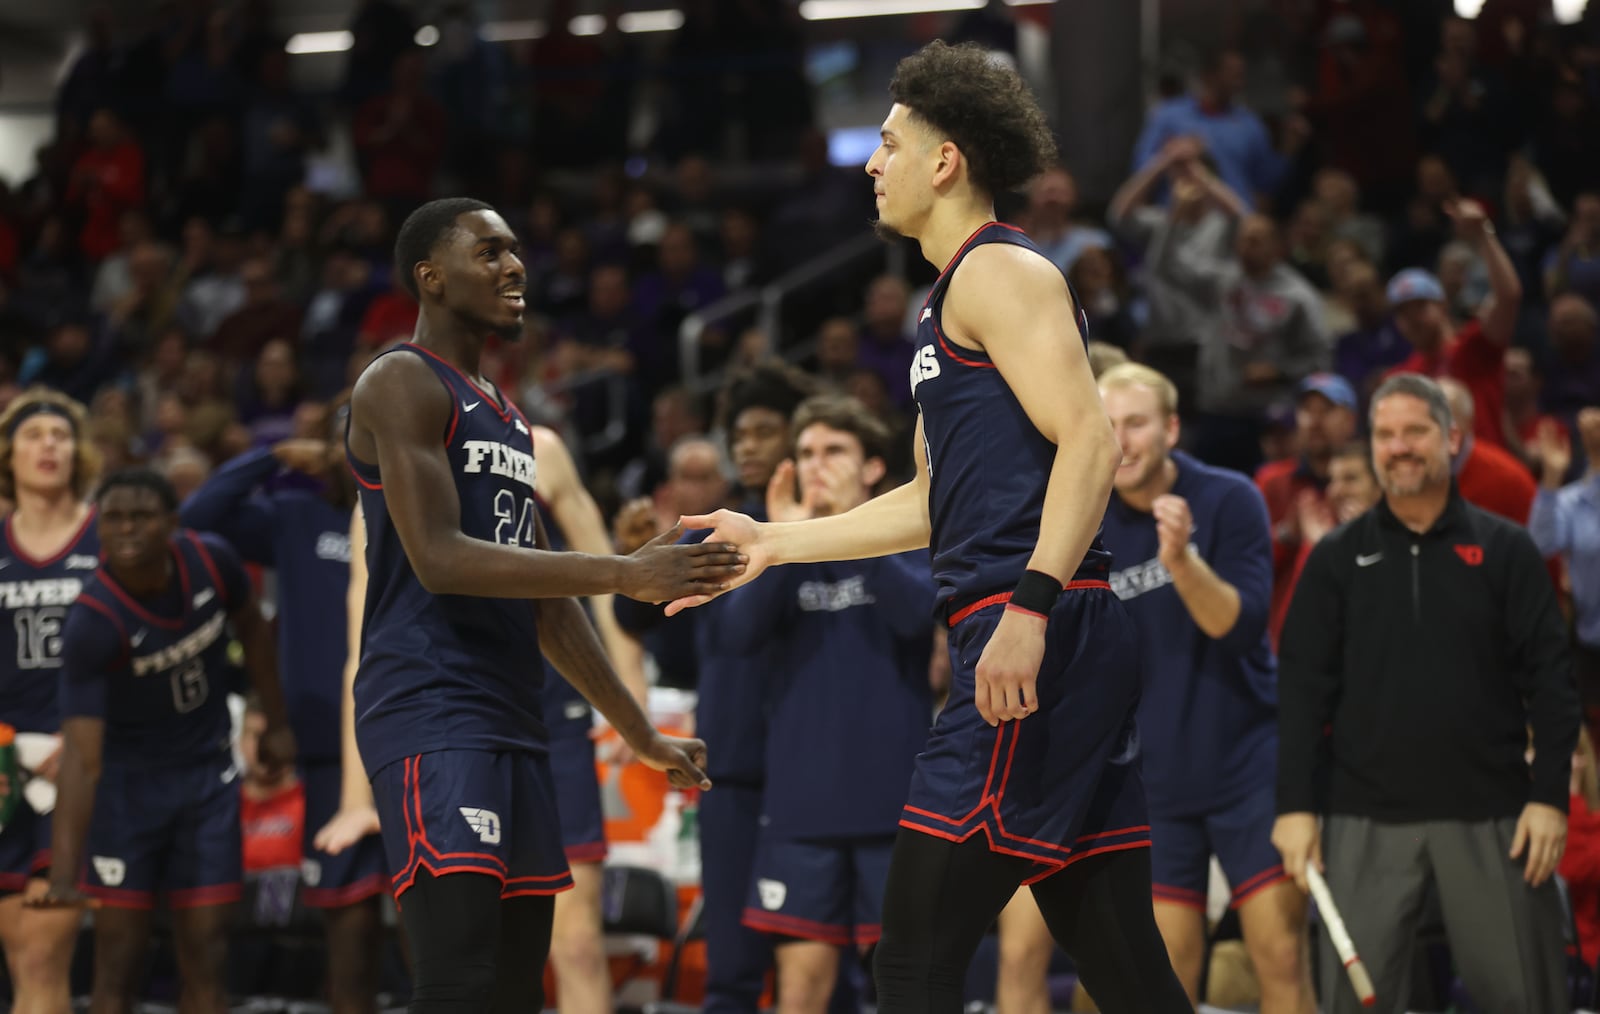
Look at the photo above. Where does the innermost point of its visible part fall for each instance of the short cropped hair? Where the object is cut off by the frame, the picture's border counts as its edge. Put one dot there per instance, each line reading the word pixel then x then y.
pixel 1125 375
pixel 421 233
pixel 140 477
pixel 1422 388
pixel 982 105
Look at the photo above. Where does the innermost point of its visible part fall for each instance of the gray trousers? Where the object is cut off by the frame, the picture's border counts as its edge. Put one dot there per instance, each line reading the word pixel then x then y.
pixel 1505 937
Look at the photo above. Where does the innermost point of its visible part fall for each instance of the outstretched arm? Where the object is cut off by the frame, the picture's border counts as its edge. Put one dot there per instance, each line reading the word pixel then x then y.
pixel 895 522
pixel 1498 314
pixel 419 489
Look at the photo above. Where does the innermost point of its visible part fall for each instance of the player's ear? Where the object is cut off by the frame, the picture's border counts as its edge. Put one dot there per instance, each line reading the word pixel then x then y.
pixel 873 471
pixel 428 277
pixel 949 162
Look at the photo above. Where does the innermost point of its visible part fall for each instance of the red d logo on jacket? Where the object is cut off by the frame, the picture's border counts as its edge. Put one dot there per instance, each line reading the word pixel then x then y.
pixel 1470 555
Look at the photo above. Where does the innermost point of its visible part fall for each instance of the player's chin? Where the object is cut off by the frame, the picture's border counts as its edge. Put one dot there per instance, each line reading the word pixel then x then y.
pixel 885 230
pixel 509 328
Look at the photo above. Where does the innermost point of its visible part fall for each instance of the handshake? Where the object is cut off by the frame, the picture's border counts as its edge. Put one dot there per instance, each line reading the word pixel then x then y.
pixel 686 574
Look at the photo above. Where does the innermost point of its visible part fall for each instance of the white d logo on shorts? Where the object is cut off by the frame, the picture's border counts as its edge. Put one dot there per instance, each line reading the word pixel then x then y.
pixel 109 870
pixel 772 892
pixel 311 872
pixel 484 823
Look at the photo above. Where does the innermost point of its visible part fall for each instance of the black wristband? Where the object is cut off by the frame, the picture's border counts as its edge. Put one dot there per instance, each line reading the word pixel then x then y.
pixel 1036 593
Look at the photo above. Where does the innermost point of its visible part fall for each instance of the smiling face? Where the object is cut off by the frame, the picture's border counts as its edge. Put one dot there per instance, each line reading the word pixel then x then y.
pixel 1146 432
pixel 1352 488
pixel 902 170
pixel 1412 453
pixel 476 274
pixel 43 450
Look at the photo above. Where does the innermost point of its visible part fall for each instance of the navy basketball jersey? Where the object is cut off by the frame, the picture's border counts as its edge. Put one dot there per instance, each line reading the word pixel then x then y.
pixel 156 669
pixel 312 561
pixel 987 464
pixel 566 711
pixel 459 672
pixel 306 541
pixel 34 598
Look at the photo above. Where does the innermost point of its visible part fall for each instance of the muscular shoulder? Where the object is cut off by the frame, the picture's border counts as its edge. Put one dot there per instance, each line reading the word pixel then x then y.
pixel 547 444
pixel 999 286
pixel 396 382
pixel 556 473
pixel 401 397
pixel 1004 271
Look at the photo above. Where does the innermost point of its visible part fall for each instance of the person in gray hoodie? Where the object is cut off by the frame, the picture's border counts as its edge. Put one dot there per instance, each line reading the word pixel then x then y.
pixel 1266 333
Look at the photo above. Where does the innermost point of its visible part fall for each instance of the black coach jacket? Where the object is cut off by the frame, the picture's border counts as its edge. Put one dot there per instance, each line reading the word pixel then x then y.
pixel 1411 666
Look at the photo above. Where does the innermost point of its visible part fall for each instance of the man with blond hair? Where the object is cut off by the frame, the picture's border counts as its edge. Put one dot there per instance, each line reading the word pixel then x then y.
pixel 1192 552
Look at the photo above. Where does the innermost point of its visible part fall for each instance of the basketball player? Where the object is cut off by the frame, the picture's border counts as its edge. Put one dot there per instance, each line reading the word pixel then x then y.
pixel 857 631
pixel 147 772
pixel 577 947
pixel 47 467
pixel 1031 774
pixel 304 536
pixel 447 700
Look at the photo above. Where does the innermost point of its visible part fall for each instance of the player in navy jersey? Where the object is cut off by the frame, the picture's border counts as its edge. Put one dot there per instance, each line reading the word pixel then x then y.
pixel 577 944
pixel 303 534
pixel 1031 773
pixel 149 800
pixel 857 632
pixel 731 707
pixel 462 595
pixel 1193 547
pixel 51 547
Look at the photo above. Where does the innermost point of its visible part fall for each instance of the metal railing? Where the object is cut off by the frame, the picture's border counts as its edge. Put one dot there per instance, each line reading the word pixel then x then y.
pixel 768 300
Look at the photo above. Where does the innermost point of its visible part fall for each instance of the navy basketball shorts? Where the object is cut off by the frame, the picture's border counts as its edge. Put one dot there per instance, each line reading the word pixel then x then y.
pixel 1239 835
pixel 24 849
pixel 472 811
pixel 1061 784
pixel 828 890
pixel 354 875
pixel 166 829
pixel 577 784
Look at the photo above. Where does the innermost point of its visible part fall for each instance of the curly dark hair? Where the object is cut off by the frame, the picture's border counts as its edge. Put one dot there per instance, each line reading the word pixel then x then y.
pixel 775 385
pixel 422 231
pixel 964 93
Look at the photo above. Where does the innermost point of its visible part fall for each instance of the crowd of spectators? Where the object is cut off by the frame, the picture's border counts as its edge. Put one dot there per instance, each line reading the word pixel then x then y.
pixel 1354 189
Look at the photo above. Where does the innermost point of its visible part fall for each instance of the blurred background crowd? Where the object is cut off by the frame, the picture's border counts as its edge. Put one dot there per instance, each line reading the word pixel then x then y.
pixel 1325 189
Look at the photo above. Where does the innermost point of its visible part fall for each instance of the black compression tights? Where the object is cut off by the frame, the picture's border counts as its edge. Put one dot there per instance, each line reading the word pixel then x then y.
pixel 943 896
pixel 471 952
